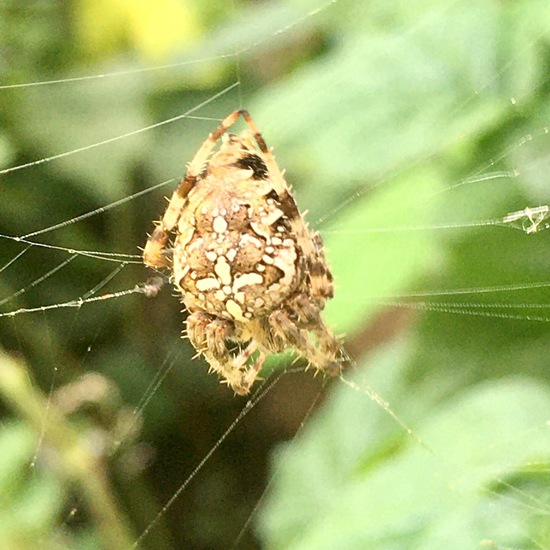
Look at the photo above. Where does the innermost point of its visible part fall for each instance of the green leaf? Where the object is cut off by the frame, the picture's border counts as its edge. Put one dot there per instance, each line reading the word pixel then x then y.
pixel 352 481
pixel 60 119
pixel 30 497
pixel 374 250
pixel 17 443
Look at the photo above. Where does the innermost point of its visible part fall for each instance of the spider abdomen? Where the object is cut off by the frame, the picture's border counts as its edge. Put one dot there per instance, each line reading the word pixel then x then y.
pixel 233 257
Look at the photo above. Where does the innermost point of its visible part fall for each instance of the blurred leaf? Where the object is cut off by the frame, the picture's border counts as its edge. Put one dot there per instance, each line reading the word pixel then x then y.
pixel 450 491
pixel 58 120
pixel 17 443
pixel 404 93
pixel 394 105
pixel 6 150
pixel 30 497
pixel 390 257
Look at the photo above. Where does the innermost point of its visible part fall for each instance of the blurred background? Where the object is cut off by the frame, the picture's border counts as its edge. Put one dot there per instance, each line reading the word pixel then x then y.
pixel 408 130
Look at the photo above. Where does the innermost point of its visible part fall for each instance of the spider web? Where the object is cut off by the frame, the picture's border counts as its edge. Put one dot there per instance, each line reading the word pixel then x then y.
pixel 416 136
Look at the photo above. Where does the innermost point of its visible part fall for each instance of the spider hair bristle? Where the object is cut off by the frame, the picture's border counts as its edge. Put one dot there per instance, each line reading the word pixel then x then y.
pixel 296 359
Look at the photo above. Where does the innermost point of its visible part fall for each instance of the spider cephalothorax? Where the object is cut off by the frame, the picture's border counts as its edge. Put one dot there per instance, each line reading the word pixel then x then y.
pixel 250 273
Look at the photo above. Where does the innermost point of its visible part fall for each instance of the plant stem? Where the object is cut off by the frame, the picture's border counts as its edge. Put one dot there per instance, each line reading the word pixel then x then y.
pixel 78 462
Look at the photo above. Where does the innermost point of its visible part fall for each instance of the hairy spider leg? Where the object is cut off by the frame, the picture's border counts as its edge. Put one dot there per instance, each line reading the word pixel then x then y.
pixel 153 253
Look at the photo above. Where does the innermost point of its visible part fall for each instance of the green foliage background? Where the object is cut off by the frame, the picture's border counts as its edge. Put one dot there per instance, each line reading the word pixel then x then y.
pixel 387 117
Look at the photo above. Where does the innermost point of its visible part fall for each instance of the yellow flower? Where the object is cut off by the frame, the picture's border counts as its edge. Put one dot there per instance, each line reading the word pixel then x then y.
pixel 154 29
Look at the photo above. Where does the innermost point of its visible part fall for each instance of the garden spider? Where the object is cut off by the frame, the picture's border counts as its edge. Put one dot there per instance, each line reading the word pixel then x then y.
pixel 252 276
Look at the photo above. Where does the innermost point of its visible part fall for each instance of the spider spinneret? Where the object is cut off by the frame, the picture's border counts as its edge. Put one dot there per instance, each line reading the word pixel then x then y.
pixel 250 273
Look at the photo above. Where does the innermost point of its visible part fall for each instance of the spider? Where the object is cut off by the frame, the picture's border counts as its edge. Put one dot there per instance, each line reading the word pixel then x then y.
pixel 252 276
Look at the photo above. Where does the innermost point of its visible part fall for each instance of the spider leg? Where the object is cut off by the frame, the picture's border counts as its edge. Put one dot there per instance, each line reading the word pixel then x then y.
pixel 305 311
pixel 209 334
pixel 153 252
pixel 233 370
pixel 252 373
pixel 284 331
pixel 320 270
pixel 217 332
pixel 309 243
pixel 324 350
pixel 302 318
pixel 196 325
